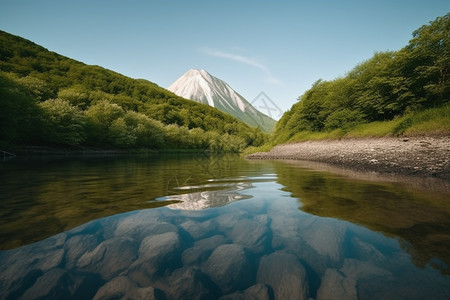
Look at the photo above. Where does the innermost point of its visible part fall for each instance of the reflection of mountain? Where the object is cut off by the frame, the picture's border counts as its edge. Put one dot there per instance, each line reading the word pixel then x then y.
pixel 206 199
pixel 421 221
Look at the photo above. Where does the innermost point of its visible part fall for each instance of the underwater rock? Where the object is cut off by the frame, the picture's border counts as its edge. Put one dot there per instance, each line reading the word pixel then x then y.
pixel 326 237
pixel 201 250
pixel 188 283
pixel 78 245
pixel 198 230
pixel 229 267
pixel 157 253
pixel 250 234
pixel 123 288
pixel 141 225
pixel 336 285
pixel 255 292
pixel 109 258
pixel 64 284
pixel 285 275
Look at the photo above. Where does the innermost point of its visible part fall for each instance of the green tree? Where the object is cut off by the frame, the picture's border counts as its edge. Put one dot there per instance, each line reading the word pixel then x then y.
pixel 429 53
pixel 76 95
pixel 62 122
pixel 121 135
pixel 198 139
pixel 148 132
pixel 101 116
pixel 38 88
pixel 20 114
pixel 177 137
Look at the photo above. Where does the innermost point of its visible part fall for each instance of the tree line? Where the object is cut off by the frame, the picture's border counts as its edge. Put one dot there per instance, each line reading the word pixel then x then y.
pixel 51 99
pixel 386 86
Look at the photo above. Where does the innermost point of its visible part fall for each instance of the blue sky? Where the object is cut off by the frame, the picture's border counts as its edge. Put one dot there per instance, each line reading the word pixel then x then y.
pixel 277 47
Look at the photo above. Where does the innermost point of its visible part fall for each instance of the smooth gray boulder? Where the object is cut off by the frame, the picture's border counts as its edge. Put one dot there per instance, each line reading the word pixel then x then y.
pixel 141 225
pixel 109 258
pixel 78 245
pixel 358 269
pixel 156 254
pixel 255 292
pixel 123 288
pixel 336 285
pixel 195 256
pixel 158 245
pixel 198 230
pixel 229 268
pixel 342 283
pixel 326 236
pixel 187 283
pixel 211 242
pixel 19 268
pixel 63 284
pixel 201 250
pixel 285 275
pixel 250 234
pixel 227 220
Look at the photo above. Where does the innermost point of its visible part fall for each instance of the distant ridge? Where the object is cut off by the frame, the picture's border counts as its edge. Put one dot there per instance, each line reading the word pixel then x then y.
pixel 200 86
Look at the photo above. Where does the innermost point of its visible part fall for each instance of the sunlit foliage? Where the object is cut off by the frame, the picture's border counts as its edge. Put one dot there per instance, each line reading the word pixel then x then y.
pixel 385 87
pixel 48 98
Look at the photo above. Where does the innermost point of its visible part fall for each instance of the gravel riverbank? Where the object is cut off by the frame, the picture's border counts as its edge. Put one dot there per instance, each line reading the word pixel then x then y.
pixel 418 156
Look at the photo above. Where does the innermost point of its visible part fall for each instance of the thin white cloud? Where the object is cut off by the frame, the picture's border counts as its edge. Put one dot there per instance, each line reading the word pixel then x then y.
pixel 245 60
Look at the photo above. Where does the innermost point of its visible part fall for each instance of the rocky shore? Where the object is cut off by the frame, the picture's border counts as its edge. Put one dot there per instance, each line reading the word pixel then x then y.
pixel 418 156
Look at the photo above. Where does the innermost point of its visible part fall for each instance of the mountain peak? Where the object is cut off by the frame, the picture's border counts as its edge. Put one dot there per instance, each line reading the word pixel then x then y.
pixel 198 74
pixel 200 86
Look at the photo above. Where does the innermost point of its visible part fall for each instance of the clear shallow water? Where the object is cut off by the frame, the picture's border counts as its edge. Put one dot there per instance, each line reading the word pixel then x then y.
pixel 94 228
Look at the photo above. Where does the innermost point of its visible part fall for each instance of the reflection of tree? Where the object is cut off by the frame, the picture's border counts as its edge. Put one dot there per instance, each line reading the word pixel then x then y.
pixel 421 221
pixel 38 202
pixel 203 166
pixel 211 164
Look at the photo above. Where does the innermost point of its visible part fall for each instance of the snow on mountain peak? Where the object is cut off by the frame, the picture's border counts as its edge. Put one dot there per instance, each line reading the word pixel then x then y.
pixel 200 86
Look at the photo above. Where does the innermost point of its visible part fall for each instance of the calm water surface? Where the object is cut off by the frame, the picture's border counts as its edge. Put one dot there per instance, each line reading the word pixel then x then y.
pixel 209 227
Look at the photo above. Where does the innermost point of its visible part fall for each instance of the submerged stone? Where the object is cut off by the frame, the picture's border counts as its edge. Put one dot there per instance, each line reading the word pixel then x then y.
pixel 156 254
pixel 336 285
pixel 285 275
pixel 229 268
pixel 123 288
pixel 250 234
pixel 78 245
pixel 63 284
pixel 109 258
pixel 188 283
pixel 255 292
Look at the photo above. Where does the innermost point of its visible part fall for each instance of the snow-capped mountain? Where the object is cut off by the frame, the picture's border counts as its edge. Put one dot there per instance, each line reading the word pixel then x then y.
pixel 200 86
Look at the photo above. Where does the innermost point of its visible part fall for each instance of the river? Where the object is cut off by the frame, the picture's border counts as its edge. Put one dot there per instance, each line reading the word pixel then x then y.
pixel 205 227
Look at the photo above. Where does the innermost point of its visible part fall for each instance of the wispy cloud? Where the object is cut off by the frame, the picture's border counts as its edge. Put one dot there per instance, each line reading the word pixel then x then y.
pixel 245 60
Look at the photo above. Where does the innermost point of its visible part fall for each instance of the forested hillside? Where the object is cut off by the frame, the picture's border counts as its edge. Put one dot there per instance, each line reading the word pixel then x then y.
pixel 46 98
pixel 397 86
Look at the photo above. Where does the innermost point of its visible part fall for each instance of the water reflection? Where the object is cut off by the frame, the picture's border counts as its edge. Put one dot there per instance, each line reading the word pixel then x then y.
pixel 420 219
pixel 260 247
pixel 218 192
pixel 41 197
